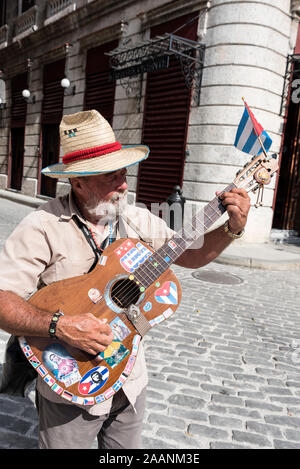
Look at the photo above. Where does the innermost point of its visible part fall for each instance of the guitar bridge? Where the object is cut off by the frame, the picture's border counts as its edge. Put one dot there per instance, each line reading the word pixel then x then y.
pixel 137 318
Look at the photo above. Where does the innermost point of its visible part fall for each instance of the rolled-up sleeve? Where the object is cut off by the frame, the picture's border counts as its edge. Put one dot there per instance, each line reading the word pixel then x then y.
pixel 25 255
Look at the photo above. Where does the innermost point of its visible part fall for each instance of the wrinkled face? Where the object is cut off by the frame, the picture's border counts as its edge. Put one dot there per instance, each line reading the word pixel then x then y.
pixel 102 196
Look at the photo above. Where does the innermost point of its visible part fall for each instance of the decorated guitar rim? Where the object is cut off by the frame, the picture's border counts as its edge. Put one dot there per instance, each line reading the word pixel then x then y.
pixel 132 287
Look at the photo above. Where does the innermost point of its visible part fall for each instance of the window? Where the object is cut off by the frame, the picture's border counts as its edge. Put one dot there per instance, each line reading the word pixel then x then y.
pixel 24 5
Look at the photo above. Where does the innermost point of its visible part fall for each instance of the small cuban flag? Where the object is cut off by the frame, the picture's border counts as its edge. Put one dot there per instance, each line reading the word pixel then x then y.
pixel 248 133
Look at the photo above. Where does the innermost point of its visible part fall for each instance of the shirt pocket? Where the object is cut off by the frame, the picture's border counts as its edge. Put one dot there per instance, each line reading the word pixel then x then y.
pixel 66 268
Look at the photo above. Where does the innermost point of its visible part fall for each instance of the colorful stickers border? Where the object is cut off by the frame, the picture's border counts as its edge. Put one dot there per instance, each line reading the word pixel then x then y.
pixel 88 400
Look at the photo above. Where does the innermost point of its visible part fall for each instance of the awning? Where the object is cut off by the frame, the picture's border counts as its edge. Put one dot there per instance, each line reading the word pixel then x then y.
pixel 154 54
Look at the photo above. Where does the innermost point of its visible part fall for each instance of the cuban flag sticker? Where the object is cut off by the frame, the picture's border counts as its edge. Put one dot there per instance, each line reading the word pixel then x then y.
pixel 93 380
pixel 167 294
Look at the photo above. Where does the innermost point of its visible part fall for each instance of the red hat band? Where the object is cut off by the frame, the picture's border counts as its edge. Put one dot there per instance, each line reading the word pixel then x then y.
pixel 91 152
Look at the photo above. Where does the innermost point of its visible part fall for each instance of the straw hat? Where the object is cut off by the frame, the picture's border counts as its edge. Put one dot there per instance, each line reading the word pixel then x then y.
pixel 90 147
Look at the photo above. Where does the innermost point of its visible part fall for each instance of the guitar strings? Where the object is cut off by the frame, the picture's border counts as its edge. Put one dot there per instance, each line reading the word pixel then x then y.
pixel 144 269
pixel 127 291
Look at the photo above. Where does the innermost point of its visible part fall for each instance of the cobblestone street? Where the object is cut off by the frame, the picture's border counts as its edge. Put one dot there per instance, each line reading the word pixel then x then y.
pixel 223 371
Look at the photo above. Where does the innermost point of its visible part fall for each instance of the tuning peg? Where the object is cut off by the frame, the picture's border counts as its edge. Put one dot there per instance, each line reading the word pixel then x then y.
pixel 274 156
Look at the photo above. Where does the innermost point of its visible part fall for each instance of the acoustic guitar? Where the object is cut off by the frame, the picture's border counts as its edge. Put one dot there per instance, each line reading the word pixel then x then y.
pixel 132 287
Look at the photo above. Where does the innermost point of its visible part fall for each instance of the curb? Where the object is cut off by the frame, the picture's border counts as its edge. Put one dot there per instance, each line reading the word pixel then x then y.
pixel 263 264
pixel 23 199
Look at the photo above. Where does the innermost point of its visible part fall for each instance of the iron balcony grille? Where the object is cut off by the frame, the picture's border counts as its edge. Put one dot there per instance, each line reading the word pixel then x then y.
pixel 291 82
pixel 154 54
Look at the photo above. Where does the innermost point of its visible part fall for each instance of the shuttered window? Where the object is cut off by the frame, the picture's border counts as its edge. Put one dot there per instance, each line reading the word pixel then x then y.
pixel 52 111
pixel 100 91
pixel 53 93
pixel 166 114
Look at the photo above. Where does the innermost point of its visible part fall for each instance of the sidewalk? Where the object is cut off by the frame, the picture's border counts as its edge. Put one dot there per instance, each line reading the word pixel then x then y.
pixel 268 256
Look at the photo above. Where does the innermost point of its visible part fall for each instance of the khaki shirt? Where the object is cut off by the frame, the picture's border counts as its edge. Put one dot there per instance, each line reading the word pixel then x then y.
pixel 47 246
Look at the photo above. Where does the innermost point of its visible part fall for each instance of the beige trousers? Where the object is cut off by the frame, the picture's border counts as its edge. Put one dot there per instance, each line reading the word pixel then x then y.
pixel 62 426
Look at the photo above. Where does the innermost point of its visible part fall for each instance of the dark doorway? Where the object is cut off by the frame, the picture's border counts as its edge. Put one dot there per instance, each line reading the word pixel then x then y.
pixel 17 131
pixel 287 208
pixel 50 155
pixel 17 155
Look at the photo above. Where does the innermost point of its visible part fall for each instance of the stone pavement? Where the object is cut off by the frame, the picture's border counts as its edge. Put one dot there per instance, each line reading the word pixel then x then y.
pixel 223 371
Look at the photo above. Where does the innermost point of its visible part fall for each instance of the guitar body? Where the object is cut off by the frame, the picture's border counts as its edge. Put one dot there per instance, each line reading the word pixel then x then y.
pixel 109 291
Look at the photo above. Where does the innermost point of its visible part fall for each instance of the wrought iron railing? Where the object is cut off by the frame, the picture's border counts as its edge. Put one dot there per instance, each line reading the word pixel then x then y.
pixel 291 84
pixel 129 61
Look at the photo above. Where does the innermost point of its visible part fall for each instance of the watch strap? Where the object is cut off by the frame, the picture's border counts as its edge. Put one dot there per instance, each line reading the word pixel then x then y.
pixel 53 324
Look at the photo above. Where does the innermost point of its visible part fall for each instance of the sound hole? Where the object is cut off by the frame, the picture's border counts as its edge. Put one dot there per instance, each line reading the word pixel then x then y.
pixel 125 293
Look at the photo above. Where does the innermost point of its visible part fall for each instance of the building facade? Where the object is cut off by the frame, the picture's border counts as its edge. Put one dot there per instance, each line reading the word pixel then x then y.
pixel 184 101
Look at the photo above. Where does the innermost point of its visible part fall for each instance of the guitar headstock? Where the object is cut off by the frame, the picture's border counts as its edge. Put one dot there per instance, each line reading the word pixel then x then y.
pixel 258 172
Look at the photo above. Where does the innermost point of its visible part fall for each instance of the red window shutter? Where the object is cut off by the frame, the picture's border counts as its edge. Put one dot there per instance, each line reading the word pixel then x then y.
pixel 53 92
pixel 100 91
pixel 167 106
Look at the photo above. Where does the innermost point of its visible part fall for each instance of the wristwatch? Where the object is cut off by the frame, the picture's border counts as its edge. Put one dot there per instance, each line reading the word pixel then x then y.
pixel 229 232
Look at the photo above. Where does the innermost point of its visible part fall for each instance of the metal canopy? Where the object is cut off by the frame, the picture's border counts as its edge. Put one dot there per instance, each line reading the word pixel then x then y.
pixel 154 54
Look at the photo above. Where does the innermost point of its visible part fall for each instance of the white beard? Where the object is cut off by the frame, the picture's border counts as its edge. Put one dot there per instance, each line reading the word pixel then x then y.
pixel 108 211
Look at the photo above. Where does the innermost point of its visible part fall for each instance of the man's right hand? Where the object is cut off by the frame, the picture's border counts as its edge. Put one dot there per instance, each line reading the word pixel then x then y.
pixel 86 332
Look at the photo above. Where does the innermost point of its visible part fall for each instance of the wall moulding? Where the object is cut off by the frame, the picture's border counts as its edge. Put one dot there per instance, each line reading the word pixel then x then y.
pixel 15 69
pixel 171 10
pixel 52 56
pixel 97 38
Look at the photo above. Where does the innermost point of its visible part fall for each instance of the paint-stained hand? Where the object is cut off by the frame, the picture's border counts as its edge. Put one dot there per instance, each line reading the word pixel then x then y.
pixel 237 203
pixel 85 332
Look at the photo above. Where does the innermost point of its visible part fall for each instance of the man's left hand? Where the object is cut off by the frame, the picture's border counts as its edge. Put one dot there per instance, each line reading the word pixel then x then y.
pixel 237 203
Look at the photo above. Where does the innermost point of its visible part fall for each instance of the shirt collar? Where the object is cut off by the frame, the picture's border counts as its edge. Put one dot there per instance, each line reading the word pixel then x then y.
pixel 72 210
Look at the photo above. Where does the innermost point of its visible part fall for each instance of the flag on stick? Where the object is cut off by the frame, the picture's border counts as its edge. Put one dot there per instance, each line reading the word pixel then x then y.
pixel 251 138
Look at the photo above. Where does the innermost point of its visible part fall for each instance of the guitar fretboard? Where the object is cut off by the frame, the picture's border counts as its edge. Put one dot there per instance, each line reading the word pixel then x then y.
pixel 161 259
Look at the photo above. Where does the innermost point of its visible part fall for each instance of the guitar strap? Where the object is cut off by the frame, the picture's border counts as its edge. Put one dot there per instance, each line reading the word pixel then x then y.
pixel 98 250
pixel 120 226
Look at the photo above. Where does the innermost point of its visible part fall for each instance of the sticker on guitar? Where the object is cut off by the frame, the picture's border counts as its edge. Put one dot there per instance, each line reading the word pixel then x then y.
pixel 61 364
pixel 167 294
pixel 93 380
pixel 131 255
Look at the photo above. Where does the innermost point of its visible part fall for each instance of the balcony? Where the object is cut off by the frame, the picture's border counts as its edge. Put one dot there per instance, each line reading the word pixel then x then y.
pixel 25 24
pixel 56 9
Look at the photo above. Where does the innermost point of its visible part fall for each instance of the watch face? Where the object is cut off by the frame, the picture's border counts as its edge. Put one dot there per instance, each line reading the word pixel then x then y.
pixel 262 176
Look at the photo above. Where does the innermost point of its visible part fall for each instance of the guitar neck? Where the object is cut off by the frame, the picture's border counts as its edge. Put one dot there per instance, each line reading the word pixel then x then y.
pixel 161 260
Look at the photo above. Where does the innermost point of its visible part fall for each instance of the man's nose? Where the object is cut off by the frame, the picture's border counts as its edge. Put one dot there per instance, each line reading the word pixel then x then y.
pixel 121 180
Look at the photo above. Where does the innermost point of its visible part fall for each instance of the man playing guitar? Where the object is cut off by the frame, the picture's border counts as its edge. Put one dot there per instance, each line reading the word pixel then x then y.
pixel 48 246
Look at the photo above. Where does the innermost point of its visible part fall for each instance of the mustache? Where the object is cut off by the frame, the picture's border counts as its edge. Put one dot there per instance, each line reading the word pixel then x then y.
pixel 108 210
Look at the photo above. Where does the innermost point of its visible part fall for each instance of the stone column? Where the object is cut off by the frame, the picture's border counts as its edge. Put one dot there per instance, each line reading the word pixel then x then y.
pixel 247 47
